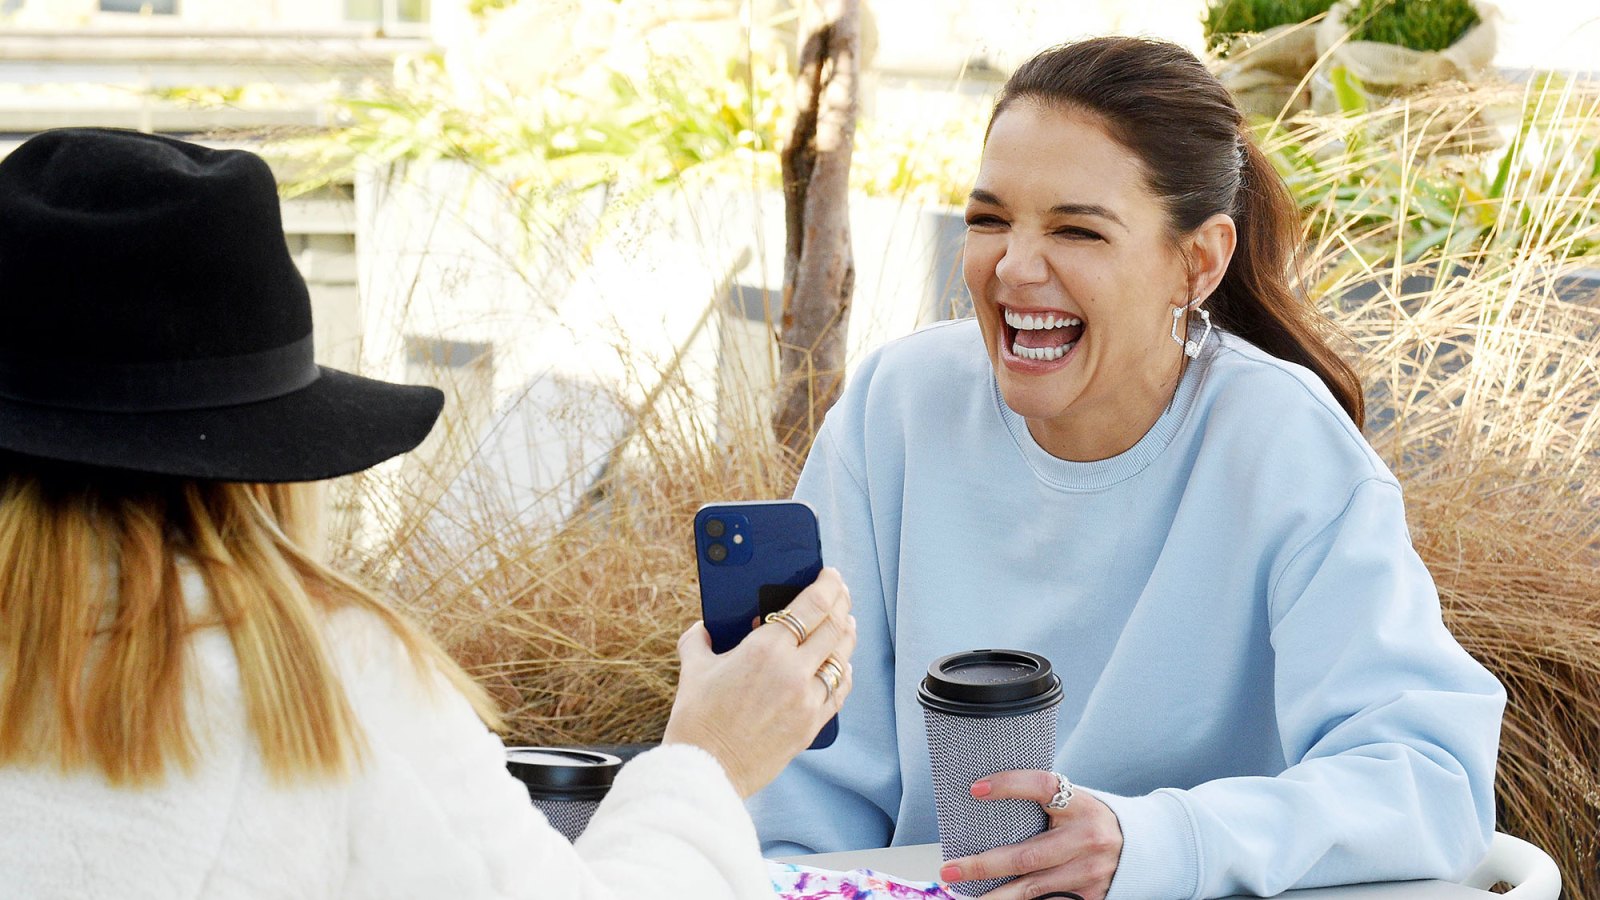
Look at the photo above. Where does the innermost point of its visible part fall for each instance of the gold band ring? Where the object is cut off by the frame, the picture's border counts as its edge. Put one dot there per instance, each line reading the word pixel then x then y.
pixel 834 670
pixel 792 622
pixel 832 676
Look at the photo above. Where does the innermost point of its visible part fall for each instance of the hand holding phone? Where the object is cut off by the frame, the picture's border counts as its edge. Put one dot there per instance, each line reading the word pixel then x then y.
pixel 756 706
pixel 754 558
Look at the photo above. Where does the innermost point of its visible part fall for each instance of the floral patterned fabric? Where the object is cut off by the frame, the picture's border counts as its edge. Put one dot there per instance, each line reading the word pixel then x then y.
pixel 796 882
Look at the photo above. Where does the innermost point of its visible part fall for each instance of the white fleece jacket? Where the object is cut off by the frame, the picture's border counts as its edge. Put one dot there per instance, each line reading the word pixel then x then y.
pixel 432 813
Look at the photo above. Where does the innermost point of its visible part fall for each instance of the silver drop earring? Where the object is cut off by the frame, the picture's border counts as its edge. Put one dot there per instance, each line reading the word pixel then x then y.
pixel 1191 348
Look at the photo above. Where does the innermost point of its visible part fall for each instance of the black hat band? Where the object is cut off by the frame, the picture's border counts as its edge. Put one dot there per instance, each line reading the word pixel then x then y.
pixel 165 386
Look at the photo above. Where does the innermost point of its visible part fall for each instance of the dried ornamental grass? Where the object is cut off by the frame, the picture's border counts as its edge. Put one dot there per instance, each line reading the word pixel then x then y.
pixel 1523 598
pixel 1483 386
pixel 574 628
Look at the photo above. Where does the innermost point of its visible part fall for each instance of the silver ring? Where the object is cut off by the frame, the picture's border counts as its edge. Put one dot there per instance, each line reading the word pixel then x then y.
pixel 1064 792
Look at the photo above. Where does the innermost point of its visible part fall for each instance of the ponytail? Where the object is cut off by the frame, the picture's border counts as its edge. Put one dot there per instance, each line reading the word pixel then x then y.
pixel 1257 300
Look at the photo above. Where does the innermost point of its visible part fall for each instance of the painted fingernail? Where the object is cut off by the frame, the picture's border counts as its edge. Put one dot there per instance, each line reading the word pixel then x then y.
pixel 981 788
pixel 950 873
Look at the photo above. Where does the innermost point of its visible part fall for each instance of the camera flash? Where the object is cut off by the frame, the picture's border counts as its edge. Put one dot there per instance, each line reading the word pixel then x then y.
pixel 738 539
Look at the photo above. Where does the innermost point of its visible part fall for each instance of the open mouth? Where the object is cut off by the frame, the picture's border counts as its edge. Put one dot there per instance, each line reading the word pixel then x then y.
pixel 1042 336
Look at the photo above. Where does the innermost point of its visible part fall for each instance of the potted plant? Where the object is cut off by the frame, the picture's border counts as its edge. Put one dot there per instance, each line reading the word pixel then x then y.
pixel 1266 48
pixel 1392 47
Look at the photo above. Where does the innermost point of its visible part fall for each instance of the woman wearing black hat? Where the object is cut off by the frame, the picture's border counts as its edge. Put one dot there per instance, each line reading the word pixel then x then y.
pixel 191 703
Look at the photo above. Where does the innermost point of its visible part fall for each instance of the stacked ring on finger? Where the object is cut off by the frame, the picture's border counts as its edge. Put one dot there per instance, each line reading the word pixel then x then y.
pixel 831 675
pixel 1064 792
pixel 790 621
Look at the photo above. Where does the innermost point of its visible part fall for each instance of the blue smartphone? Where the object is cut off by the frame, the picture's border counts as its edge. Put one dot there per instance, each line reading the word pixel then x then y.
pixel 754 557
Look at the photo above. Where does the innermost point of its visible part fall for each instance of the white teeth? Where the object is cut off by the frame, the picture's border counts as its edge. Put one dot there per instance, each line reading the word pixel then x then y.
pixel 1044 353
pixel 1039 322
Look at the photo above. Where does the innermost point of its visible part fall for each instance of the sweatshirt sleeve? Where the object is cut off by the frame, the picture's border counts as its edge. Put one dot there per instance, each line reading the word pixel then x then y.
pixel 847 796
pixel 1391 730
pixel 435 813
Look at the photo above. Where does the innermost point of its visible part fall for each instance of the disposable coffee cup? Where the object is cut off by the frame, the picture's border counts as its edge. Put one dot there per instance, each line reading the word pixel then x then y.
pixel 987 711
pixel 566 785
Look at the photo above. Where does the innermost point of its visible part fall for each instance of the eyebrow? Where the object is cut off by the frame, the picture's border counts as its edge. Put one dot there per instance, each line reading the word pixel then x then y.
pixel 1064 209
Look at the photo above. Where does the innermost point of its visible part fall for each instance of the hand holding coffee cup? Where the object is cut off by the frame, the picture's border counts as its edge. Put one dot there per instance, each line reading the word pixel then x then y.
pixel 987 711
pixel 759 704
pixel 1075 856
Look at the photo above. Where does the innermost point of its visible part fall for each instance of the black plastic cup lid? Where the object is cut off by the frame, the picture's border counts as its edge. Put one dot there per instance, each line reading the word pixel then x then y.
pixel 561 773
pixel 990 684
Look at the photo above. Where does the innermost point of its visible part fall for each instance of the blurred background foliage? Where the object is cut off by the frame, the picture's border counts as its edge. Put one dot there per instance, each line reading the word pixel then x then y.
pixel 592 117
pixel 613 109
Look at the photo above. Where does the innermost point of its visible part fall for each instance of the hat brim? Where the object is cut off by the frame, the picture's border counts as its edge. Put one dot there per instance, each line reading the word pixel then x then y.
pixel 339 424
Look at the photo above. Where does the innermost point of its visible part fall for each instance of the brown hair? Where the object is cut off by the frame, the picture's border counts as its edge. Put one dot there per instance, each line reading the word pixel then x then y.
pixel 1198 157
pixel 94 622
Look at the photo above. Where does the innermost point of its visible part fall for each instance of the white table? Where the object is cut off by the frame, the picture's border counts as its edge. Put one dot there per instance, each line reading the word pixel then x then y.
pixel 920 862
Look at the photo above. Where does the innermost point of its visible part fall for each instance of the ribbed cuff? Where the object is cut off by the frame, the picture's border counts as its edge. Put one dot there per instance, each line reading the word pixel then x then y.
pixel 1159 858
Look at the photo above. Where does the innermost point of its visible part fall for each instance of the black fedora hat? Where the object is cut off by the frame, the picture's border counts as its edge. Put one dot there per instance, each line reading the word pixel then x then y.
pixel 152 320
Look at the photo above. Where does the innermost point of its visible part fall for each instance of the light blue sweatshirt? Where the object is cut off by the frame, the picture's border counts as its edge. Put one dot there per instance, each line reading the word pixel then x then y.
pixel 1258 681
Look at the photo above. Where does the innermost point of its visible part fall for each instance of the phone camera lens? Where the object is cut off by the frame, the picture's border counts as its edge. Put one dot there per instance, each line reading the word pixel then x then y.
pixel 717 552
pixel 714 527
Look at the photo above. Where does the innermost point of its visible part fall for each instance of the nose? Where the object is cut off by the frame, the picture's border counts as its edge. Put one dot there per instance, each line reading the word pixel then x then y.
pixel 1022 263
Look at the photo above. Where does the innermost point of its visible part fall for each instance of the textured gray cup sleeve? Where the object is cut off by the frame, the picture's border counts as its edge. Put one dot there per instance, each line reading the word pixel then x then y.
pixel 962 750
pixel 570 817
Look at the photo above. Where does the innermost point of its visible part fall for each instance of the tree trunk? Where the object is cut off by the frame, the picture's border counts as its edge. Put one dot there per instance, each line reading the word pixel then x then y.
pixel 818 271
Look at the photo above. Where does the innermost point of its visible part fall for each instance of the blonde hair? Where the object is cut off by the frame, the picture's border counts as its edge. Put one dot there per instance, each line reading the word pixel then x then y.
pixel 94 622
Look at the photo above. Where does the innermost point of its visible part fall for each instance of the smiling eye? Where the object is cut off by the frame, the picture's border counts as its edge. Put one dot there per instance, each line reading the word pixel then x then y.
pixel 983 220
pixel 1072 231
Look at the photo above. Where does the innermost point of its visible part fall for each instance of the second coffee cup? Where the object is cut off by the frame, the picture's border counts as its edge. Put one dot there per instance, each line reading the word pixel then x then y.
pixel 566 784
pixel 987 711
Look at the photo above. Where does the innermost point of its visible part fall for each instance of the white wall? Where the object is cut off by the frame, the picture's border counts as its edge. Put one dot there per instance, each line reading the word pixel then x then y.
pixel 310 15
pixel 919 34
pixel 1559 34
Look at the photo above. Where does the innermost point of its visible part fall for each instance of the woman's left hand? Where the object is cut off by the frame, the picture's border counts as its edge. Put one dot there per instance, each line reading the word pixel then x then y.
pixel 1077 854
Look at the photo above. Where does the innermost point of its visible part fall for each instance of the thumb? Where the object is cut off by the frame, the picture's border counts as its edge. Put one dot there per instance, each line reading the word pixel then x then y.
pixel 694 645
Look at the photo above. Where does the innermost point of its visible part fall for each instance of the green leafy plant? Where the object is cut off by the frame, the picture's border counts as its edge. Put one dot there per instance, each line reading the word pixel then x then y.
pixel 1427 25
pixel 1225 19
pixel 936 166
pixel 558 105
pixel 1395 179
pixel 629 135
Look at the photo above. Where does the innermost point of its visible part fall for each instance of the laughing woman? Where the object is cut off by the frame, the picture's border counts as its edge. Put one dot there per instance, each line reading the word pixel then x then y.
pixel 1143 461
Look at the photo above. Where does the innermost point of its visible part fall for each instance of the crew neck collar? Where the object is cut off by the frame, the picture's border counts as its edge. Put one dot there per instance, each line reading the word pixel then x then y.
pixel 1100 474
